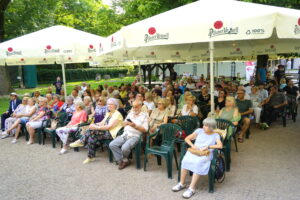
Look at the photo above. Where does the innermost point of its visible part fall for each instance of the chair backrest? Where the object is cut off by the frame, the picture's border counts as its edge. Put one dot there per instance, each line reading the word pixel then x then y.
pixel 225 124
pixel 188 123
pixel 62 118
pixel 168 133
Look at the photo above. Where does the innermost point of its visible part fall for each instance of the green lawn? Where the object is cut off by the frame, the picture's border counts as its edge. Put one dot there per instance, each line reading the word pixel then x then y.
pixel 70 85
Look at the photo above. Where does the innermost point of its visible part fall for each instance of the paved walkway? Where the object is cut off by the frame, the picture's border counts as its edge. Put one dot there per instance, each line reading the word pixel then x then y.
pixel 266 167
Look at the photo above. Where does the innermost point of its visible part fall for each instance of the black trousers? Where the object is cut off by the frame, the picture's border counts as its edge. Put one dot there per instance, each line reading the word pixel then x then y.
pixel 269 114
pixel 4 116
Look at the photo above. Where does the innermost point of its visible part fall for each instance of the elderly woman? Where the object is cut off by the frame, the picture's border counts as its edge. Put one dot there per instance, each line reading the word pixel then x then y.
pixel 190 108
pixel 88 106
pixel 100 110
pixel 230 112
pixel 56 103
pixel 49 100
pixel 171 106
pixel 10 122
pixel 68 107
pixel 36 95
pixel 256 102
pixel 24 118
pixel 149 102
pixel 78 117
pixel 36 121
pixel 159 115
pixel 106 129
pixel 206 139
pixel 190 85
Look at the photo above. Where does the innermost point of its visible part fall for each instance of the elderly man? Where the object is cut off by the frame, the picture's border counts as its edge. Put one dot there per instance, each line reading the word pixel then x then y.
pixel 273 105
pixel 136 123
pixel 245 108
pixel 13 104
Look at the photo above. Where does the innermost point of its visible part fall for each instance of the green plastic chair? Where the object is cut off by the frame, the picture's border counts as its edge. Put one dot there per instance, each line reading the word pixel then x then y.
pixel 225 124
pixel 166 149
pixel 62 118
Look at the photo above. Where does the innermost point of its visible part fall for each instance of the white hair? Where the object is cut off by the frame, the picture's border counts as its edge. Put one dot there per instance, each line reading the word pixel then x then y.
pixel 210 123
pixel 113 101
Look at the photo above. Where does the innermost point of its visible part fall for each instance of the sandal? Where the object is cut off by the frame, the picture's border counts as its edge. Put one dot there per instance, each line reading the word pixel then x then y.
pixel 240 140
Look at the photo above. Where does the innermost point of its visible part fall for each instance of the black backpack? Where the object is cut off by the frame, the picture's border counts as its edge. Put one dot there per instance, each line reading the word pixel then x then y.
pixel 220 167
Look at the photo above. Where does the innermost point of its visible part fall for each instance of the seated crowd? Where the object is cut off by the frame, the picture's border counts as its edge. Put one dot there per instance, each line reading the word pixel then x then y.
pixel 135 110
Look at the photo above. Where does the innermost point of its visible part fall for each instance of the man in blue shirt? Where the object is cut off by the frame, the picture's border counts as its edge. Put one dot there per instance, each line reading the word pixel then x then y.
pixel 13 104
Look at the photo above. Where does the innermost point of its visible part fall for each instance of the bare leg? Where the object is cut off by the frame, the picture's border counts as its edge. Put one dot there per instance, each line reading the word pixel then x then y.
pixel 246 124
pixel 65 147
pixel 15 125
pixel 18 131
pixel 195 179
pixel 31 133
pixel 184 172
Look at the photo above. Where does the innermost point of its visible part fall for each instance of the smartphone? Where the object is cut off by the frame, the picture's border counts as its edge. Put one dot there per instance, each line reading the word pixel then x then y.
pixel 129 120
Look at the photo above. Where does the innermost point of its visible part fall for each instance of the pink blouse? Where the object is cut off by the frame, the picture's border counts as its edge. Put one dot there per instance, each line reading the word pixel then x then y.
pixel 78 117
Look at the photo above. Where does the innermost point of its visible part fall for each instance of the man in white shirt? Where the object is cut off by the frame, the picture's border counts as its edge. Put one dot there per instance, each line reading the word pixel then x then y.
pixel 75 96
pixel 136 123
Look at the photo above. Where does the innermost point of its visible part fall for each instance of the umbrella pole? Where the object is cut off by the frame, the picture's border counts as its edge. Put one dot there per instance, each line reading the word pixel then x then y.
pixel 212 87
pixel 64 79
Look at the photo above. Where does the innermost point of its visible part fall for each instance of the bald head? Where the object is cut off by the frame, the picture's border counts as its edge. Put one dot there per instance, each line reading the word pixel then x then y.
pixel 137 106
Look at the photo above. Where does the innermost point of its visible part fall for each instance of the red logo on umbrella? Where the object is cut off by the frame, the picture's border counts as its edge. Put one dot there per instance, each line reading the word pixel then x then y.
pixel 238 49
pixel 112 39
pixel 299 21
pixel 91 46
pixel 10 49
pixel 100 45
pixel 272 46
pixel 90 57
pixel 151 31
pixel 152 53
pixel 177 53
pixel 22 59
pixel 218 24
pixel 69 58
pixel 48 47
pixel 44 59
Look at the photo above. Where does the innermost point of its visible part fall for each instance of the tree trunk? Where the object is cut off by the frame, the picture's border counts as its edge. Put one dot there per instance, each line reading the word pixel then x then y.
pixel 3 6
pixel 5 83
pixel 262 61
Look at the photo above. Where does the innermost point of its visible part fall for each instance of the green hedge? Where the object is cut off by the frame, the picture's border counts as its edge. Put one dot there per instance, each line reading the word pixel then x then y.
pixel 49 75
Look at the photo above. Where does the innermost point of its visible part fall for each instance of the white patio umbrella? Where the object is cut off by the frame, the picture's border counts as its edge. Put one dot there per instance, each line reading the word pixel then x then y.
pixel 57 44
pixel 231 28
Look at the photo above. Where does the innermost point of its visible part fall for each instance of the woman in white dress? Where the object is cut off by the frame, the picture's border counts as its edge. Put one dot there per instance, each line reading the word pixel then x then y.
pixel 256 102
pixel 206 139
pixel 190 109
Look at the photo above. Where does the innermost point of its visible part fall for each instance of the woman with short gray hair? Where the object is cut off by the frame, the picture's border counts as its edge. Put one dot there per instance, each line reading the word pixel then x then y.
pixel 206 141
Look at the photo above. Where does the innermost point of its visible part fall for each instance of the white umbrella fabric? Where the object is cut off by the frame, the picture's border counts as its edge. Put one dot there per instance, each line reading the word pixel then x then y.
pixel 57 44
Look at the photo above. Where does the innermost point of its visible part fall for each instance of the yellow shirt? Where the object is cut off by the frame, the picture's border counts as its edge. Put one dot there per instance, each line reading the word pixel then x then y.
pixel 123 94
pixel 115 116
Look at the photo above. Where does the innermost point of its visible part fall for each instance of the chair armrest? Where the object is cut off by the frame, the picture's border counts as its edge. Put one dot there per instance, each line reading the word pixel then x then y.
pixel 148 138
pixel 46 123
pixel 83 124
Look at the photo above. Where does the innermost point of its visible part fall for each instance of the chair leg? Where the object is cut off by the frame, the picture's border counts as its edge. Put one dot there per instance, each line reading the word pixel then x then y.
pixel 169 159
pixel 175 156
pixel 53 138
pixel 248 133
pixel 284 120
pixel 110 154
pixel 235 143
pixel 158 159
pixel 138 156
pixel 145 160
pixel 39 132
pixel 211 180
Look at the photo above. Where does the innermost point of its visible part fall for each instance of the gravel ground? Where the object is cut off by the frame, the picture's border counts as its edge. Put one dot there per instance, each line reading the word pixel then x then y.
pixel 266 167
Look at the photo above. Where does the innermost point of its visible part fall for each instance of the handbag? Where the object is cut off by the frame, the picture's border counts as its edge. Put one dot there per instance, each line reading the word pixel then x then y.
pixel 199 152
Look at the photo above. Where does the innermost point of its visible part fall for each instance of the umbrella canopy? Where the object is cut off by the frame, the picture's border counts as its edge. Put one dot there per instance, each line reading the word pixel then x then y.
pixel 57 44
pixel 233 29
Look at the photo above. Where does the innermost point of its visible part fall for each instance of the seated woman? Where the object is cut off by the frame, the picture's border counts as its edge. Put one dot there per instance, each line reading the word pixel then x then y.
pixel 171 106
pixel 100 110
pixel 220 100
pixel 106 129
pixel 149 102
pixel 190 85
pixel 206 139
pixel 9 122
pixel 190 108
pixel 159 115
pixel 68 107
pixel 205 99
pixel 230 112
pixel 78 117
pixel 88 106
pixel 36 121
pixel 156 93
pixel 56 103
pixel 256 102
pixel 24 118
pixel 181 101
pixel 49 100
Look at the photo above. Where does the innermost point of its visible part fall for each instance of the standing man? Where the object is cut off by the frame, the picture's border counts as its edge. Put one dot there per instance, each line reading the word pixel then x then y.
pixel 136 123
pixel 279 74
pixel 58 85
pixel 262 75
pixel 13 104
pixel 245 109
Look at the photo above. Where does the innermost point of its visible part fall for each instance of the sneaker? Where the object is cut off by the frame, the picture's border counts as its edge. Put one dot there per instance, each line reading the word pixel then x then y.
pixel 14 141
pixel 76 144
pixel 88 160
pixel 188 193
pixel 62 151
pixel 29 142
pixel 178 187
pixel 4 135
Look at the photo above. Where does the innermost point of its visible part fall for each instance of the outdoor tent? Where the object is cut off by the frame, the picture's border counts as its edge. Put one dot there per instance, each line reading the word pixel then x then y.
pixel 213 29
pixel 57 44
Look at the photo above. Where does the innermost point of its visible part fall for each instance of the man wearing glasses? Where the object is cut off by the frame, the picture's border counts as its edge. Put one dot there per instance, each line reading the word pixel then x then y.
pixel 136 123
pixel 245 109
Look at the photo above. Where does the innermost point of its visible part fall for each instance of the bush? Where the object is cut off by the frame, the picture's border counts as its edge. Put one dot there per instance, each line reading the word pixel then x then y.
pixel 82 74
